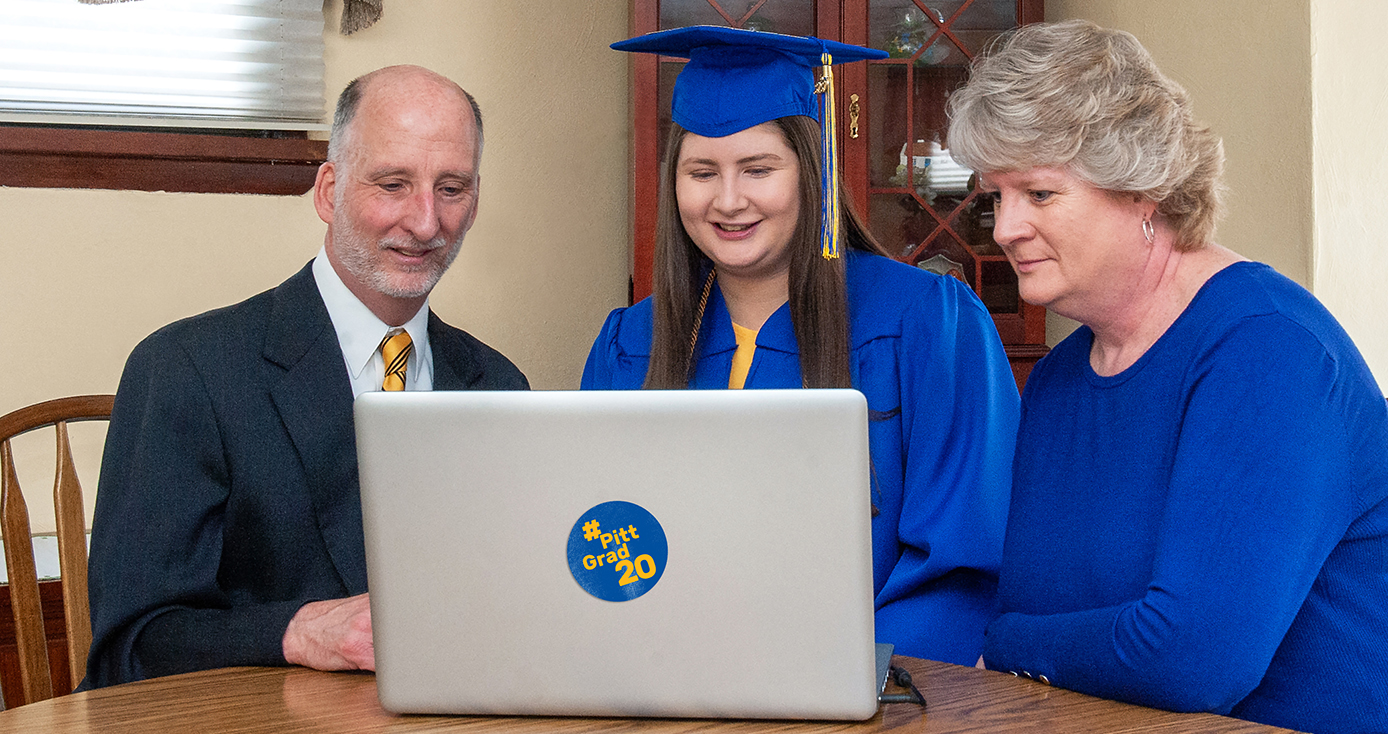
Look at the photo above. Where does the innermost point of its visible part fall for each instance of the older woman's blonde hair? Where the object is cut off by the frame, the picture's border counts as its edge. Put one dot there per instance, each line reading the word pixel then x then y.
pixel 1077 96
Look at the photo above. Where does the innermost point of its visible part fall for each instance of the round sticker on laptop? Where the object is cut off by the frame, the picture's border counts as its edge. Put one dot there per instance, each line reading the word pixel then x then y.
pixel 617 551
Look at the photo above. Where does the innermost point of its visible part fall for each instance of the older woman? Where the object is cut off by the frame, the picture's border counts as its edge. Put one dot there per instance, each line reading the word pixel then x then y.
pixel 1199 518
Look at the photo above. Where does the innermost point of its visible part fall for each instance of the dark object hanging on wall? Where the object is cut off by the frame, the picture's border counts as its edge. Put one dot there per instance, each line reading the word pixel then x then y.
pixel 359 14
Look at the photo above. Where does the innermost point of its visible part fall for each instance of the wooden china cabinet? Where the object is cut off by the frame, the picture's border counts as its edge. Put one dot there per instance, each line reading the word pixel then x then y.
pixel 917 201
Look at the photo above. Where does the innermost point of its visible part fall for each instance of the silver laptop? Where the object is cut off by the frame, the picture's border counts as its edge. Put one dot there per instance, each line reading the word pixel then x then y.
pixel 627 553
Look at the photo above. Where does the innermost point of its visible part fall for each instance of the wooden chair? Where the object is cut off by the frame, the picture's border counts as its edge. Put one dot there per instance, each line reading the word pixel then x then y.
pixel 25 604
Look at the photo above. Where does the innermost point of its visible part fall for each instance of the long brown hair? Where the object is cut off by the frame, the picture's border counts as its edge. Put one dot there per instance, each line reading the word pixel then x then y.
pixel 818 294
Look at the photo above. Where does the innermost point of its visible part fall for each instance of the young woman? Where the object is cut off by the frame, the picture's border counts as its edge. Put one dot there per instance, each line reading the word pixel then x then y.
pixel 748 295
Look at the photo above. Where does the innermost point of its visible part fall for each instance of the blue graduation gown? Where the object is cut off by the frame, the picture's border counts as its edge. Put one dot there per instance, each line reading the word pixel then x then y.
pixel 943 421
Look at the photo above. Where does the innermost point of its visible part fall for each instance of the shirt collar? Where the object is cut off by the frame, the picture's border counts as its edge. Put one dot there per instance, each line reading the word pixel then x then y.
pixel 359 331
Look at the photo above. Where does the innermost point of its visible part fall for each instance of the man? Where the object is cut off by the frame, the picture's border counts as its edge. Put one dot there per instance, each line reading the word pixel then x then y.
pixel 228 523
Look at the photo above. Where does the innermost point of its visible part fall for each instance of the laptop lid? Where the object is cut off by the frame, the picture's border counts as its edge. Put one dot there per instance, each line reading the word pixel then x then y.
pixel 620 553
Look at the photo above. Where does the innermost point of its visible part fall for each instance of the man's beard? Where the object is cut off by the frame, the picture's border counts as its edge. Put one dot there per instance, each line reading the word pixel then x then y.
pixel 356 253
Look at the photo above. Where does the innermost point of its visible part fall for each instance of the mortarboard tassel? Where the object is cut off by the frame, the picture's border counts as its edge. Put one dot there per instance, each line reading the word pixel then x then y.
pixel 829 177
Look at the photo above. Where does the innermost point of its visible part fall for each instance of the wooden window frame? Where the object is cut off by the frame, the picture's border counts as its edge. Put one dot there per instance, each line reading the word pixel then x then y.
pixel 40 156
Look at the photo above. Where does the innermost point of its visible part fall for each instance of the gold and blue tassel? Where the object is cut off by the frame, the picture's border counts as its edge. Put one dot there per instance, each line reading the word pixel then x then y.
pixel 829 175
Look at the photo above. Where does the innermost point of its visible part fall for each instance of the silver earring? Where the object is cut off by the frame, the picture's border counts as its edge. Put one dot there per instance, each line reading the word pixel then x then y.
pixel 1149 231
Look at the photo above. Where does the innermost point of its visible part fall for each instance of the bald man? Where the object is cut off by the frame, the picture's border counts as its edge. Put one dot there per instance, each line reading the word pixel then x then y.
pixel 228 523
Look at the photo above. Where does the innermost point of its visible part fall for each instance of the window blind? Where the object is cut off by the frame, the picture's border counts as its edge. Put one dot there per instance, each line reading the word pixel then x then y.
pixel 217 63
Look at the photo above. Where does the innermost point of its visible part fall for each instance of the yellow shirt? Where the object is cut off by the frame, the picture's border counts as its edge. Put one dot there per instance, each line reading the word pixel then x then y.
pixel 742 358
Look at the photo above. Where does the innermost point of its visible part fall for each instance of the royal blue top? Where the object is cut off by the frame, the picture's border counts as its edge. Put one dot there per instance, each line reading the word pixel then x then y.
pixel 943 417
pixel 1208 529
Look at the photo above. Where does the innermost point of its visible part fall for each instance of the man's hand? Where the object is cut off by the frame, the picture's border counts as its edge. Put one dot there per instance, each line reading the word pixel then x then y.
pixel 332 635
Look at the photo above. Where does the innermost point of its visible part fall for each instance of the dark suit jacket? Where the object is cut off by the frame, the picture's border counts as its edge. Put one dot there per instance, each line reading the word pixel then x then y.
pixel 228 493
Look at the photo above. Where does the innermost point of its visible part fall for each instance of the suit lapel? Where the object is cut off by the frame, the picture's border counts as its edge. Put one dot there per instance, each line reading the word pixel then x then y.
pixel 455 368
pixel 314 400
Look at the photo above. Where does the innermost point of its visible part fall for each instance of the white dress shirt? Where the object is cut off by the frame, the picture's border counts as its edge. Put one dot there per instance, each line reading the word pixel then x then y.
pixel 360 332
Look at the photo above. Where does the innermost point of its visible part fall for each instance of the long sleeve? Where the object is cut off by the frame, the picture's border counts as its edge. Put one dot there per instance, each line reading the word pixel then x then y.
pixel 621 351
pixel 958 418
pixel 157 537
pixel 597 371
pixel 1252 497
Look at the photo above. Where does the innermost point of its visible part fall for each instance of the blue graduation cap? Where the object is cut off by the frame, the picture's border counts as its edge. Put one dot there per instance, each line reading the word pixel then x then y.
pixel 736 79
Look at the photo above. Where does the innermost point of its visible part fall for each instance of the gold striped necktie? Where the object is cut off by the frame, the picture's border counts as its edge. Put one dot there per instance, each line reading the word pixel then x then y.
pixel 396 351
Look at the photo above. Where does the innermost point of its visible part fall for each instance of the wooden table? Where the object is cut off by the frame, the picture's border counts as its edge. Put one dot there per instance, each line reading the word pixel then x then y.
pixel 299 700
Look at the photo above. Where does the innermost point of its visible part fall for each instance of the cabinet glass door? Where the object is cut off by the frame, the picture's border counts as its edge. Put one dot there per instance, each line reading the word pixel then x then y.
pixel 920 202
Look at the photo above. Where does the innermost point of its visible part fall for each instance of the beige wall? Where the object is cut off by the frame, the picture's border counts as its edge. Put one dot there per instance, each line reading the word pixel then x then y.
pixel 1350 264
pixel 87 274
pixel 1247 67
